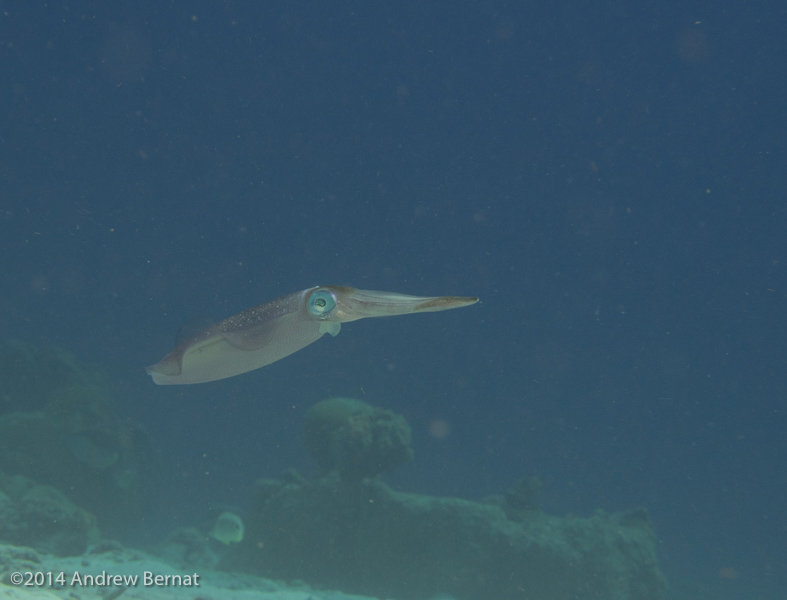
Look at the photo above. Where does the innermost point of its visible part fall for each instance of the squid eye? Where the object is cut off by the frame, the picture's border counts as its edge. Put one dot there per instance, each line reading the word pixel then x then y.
pixel 320 303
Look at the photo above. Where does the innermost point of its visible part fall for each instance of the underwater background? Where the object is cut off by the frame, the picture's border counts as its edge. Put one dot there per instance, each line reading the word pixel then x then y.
pixel 609 178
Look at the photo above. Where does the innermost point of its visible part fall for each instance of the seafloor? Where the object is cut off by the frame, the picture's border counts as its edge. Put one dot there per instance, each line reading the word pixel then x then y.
pixel 106 562
pixel 74 477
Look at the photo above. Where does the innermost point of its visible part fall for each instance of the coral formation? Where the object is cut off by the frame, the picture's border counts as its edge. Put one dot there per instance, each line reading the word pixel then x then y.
pixel 517 502
pixel 58 427
pixel 369 539
pixel 366 538
pixel 41 517
pixel 355 439
pixel 345 529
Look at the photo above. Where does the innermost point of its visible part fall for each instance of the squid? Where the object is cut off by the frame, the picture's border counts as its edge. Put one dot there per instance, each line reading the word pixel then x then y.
pixel 269 332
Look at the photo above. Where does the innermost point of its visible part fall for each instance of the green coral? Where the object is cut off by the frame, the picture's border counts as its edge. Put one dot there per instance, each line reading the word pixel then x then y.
pixel 356 439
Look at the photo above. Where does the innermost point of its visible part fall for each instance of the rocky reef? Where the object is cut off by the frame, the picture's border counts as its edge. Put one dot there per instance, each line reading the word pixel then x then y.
pixel 69 466
pixel 58 428
pixel 349 530
pixel 41 517
pixel 356 440
pixel 366 538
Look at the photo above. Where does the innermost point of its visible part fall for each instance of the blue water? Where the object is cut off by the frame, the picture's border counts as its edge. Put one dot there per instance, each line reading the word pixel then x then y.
pixel 609 179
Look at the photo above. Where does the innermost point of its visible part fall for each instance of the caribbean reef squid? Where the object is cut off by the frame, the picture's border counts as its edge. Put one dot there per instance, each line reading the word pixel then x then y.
pixel 266 333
